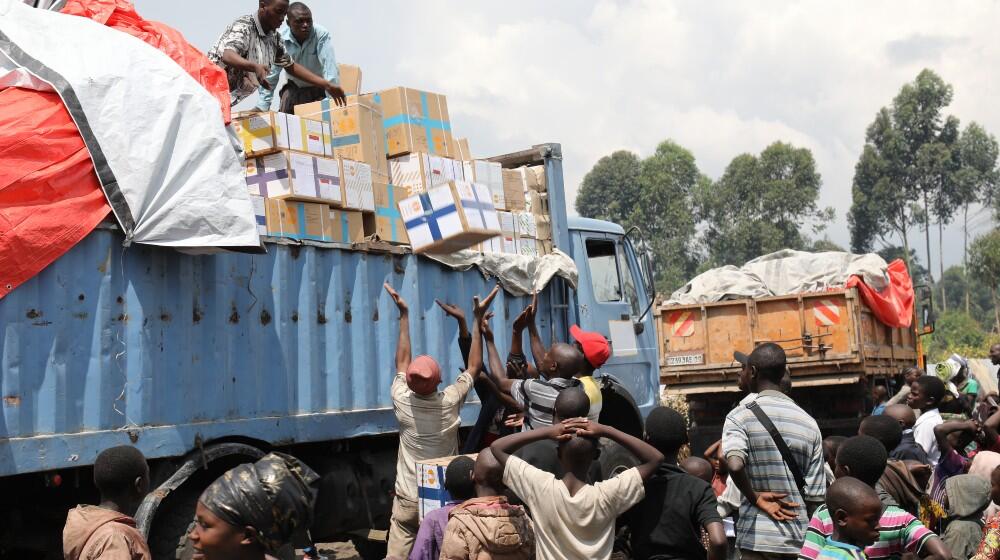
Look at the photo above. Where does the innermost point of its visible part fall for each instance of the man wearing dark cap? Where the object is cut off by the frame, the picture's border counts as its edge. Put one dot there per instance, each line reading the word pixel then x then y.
pixel 775 512
pixel 428 418
pixel 596 350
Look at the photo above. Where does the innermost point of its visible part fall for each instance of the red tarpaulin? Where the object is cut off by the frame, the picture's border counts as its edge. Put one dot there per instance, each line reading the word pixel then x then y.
pixel 893 305
pixel 50 198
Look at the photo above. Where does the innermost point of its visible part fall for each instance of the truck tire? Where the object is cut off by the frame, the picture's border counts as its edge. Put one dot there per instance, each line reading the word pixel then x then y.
pixel 369 549
pixel 174 521
pixel 615 459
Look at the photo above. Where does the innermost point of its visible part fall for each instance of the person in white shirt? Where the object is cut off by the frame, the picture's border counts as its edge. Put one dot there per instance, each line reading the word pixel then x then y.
pixel 574 519
pixel 926 393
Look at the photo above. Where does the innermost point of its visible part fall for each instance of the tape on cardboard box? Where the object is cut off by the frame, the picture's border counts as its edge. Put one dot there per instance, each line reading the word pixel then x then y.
pixel 267 175
pixel 260 133
pixel 345 226
pixel 419 172
pixel 462 151
pixel 294 176
pixel 307 135
pixel 387 222
pixel 415 121
pixel 449 218
pixel 297 220
pixel 350 78
pixel 260 213
pixel 356 178
pixel 355 131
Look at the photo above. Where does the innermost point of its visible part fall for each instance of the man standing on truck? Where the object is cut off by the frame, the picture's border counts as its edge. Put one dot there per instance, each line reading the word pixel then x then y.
pixel 758 438
pixel 250 46
pixel 428 418
pixel 310 46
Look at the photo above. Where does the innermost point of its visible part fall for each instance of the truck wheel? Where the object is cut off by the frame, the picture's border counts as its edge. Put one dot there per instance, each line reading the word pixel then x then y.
pixel 368 549
pixel 615 459
pixel 174 520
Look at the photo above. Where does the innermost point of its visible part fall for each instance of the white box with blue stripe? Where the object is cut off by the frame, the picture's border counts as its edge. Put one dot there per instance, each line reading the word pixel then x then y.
pixel 431 493
pixel 449 218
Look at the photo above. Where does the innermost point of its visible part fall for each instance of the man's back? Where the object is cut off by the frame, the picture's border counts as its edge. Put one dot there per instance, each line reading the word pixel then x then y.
pixel 746 437
pixel 667 523
pixel 94 532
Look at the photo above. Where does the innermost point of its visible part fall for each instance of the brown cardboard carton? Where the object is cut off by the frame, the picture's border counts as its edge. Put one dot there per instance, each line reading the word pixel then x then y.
pixel 261 133
pixel 534 178
pixel 356 131
pixel 297 220
pixel 415 121
pixel 513 190
pixel 488 173
pixel 463 153
pixel 345 226
pixel 386 222
pixel 543 228
pixel 356 178
pixel 537 203
pixel 350 78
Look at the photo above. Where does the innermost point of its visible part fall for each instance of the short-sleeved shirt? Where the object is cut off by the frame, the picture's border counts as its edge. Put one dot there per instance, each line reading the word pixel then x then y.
pixel 578 526
pixel 538 398
pixel 923 433
pixel 898 533
pixel 428 427
pixel 909 449
pixel 667 523
pixel 247 38
pixel 835 550
pixel 593 390
pixel 745 437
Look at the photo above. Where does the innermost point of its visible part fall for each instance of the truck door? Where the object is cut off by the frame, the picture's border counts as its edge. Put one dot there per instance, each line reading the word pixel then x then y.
pixel 611 299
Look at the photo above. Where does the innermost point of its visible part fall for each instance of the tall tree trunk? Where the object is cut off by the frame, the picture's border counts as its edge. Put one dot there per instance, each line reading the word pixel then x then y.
pixel 944 295
pixel 927 237
pixel 965 254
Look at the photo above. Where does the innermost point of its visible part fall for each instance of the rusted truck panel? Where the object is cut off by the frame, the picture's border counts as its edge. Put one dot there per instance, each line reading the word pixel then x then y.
pixel 830 338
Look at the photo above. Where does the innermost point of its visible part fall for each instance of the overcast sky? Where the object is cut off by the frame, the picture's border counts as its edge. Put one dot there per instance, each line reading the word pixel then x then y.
pixel 719 78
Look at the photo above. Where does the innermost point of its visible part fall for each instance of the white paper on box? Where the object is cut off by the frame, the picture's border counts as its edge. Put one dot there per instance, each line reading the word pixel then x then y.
pixel 508 243
pixel 477 205
pixel 252 130
pixel 492 246
pixel 448 224
pixel 507 224
pixel 260 213
pixel 527 247
pixel 357 178
pixel 489 173
pixel 267 176
pixel 315 176
pixel 524 224
pixel 306 135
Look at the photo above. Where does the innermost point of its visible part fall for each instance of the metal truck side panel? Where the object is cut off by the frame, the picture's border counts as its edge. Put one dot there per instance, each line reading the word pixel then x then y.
pixel 163 349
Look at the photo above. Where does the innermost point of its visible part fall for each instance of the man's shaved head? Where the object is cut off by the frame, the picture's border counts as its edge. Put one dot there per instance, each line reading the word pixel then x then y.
pixel 576 452
pixel 563 360
pixel 902 414
pixel 488 472
pixel 698 468
pixel 572 402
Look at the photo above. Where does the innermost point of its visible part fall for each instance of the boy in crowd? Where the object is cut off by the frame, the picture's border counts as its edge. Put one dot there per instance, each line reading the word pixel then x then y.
pixel 864 458
pixel 428 418
pixel 108 530
pixel 544 454
pixel 926 393
pixel 596 350
pixel 952 438
pixel 488 526
pixel 458 483
pixel 698 468
pixel 856 509
pixel 667 523
pixel 574 519
pixel 830 446
pixel 908 448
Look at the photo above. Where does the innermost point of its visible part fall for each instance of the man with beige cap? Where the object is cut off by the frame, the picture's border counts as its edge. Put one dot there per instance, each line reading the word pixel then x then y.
pixel 428 418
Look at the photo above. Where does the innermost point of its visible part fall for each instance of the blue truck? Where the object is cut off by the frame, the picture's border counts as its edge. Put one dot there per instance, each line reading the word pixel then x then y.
pixel 204 362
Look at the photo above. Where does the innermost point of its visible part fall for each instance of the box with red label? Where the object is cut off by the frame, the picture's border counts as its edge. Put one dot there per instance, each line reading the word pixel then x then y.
pixel 295 176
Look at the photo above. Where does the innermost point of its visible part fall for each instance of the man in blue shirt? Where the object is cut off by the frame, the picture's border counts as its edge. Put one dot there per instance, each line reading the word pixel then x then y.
pixel 312 47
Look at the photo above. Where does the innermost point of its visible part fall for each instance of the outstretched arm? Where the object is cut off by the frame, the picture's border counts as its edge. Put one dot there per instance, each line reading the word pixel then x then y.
pixel 307 76
pixel 650 457
pixel 479 312
pixel 504 447
pixel 495 365
pixel 517 343
pixel 403 354
pixel 537 348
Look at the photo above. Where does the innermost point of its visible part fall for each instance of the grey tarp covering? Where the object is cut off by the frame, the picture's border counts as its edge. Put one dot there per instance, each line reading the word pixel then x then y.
pixel 781 273
pixel 519 275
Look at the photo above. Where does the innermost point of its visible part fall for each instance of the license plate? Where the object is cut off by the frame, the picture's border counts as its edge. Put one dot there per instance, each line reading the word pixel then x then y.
pixel 686 360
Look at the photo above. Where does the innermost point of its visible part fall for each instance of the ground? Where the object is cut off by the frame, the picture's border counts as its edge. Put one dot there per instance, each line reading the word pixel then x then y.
pixel 338 551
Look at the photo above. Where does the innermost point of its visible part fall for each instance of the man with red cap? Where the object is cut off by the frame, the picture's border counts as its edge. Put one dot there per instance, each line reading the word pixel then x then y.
pixel 428 418
pixel 596 349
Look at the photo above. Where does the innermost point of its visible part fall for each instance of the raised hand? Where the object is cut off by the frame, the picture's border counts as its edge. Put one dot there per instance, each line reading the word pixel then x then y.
pixel 451 310
pixel 398 299
pixel 479 309
pixel 484 326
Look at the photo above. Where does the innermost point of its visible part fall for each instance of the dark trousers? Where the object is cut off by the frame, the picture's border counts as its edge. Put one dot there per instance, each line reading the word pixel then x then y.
pixel 292 95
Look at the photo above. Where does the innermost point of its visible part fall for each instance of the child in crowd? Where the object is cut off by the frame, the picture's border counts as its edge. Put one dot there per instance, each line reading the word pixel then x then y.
pixel 926 393
pixel 458 483
pixel 864 458
pixel 487 527
pixel 108 530
pixel 989 547
pixel 830 446
pixel 952 439
pixel 574 519
pixel 679 503
pixel 855 512
pixel 966 497
pixel 428 418
pixel 908 448
pixel 880 395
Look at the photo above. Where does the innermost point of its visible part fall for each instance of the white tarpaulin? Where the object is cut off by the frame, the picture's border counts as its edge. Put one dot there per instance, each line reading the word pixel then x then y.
pixel 518 274
pixel 155 135
pixel 781 273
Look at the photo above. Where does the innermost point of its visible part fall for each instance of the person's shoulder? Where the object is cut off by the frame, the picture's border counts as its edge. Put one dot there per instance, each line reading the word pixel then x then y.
pixel 320 31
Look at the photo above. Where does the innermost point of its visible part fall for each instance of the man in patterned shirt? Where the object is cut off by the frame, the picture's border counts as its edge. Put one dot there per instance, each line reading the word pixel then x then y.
pixel 251 45
pixel 774 514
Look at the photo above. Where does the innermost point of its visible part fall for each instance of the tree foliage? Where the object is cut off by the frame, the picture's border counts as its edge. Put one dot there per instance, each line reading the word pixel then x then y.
pixel 610 189
pixel 955 331
pixel 761 204
pixel 984 262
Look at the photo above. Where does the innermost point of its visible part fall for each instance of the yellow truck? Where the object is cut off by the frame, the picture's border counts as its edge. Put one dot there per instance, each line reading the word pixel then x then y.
pixel 836 350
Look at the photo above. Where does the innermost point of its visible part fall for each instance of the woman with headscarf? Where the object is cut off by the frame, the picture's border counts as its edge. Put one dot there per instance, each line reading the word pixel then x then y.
pixel 253 510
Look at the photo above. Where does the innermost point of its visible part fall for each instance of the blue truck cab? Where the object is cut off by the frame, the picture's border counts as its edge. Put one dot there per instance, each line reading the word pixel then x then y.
pixel 207 361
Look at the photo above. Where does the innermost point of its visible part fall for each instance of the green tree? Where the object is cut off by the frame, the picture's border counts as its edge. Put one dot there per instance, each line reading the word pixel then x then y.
pixel 918 274
pixel 761 204
pixel 611 188
pixel 955 330
pixel 823 244
pixel 976 181
pixel 984 262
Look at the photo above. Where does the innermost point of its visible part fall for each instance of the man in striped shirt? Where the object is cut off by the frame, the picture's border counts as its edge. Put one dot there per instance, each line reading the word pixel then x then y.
pixel 864 458
pixel 774 514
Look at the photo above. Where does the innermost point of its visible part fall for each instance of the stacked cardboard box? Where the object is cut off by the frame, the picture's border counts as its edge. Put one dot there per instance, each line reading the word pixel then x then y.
pixel 415 121
pixel 419 172
pixel 356 131
pixel 449 218
pixel 350 78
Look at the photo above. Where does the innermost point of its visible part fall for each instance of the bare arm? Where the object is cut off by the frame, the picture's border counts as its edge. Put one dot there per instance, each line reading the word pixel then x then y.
pixel 718 546
pixel 403 354
pixel 941 432
pixel 479 313
pixel 771 503
pixel 517 342
pixel 935 549
pixel 306 75
pixel 992 425
pixel 259 71
pixel 504 447
pixel 495 365
pixel 537 348
pixel 650 457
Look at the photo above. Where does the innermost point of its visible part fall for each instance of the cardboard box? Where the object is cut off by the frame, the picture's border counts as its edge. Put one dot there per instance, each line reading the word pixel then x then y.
pixel 508 243
pixel 260 213
pixel 430 483
pixel 415 121
pixel 507 223
pixel 543 228
pixel 488 173
pixel 462 152
pixel 356 131
pixel 297 220
pixel 295 176
pixel 513 190
pixel 387 222
pixel 537 203
pixel 528 247
pixel 525 225
pixel 493 245
pixel 261 133
pixel 308 136
pixel 418 173
pixel 345 226
pixel 449 218
pixel 357 180
pixel 350 78
pixel 534 178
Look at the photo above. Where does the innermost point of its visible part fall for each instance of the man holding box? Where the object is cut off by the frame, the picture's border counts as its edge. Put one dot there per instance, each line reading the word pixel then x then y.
pixel 250 46
pixel 310 46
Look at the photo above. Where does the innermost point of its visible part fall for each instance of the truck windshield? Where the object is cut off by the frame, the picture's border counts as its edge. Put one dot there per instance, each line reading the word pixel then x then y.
pixel 604 270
